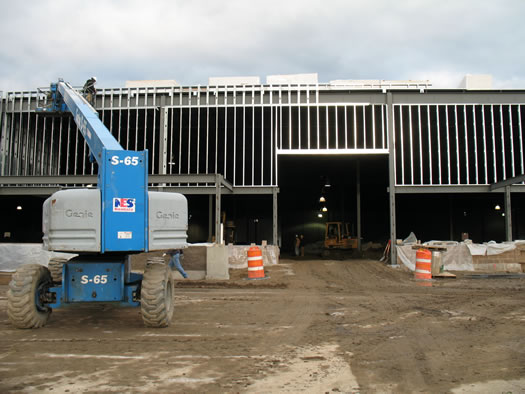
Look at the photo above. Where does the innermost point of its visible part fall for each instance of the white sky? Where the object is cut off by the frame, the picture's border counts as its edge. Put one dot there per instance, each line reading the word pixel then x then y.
pixel 191 40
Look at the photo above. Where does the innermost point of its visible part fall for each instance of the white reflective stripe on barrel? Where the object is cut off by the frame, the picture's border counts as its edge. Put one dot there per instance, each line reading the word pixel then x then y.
pixel 255 258
pixel 255 268
pixel 422 271
pixel 424 260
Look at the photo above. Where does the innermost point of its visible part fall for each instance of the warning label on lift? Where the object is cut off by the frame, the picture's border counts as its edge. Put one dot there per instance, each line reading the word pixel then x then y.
pixel 124 205
pixel 125 235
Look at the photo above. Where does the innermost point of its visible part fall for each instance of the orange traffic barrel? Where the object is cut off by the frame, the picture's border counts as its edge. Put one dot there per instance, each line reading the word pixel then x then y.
pixel 423 264
pixel 255 263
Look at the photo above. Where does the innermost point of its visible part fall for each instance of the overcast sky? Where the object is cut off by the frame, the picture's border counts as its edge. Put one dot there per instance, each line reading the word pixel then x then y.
pixel 189 41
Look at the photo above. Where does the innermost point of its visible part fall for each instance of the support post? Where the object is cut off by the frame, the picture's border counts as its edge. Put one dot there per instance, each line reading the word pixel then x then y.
pixel 391 177
pixel 3 136
pixel 218 184
pixel 508 215
pixel 450 218
pixel 358 207
pixel 275 217
pixel 163 145
pixel 210 218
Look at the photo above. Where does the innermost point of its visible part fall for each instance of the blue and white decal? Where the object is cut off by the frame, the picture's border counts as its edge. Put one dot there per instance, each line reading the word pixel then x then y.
pixel 124 205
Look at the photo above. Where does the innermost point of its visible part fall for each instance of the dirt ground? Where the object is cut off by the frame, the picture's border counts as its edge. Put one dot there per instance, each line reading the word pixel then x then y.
pixel 314 326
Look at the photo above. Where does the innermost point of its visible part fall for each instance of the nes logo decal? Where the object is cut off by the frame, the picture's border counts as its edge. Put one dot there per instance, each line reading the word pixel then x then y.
pixel 124 205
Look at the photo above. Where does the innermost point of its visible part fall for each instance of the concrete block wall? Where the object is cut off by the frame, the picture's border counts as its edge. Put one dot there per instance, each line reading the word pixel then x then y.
pixel 512 261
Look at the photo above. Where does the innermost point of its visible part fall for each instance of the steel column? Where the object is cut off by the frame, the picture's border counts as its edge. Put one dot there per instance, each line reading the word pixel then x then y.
pixel 218 184
pixel 3 136
pixel 274 218
pixel 163 140
pixel 391 177
pixel 358 207
pixel 210 218
pixel 508 214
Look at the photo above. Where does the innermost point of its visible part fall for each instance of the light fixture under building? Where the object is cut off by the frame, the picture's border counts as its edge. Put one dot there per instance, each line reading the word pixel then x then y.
pixel 324 209
pixel 319 215
pixel 19 208
pixel 322 199
pixel 497 207
pixel 327 182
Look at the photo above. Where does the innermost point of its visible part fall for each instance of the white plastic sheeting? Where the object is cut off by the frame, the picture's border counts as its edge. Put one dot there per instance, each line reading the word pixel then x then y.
pixel 492 248
pixel 14 255
pixel 457 257
pixel 238 255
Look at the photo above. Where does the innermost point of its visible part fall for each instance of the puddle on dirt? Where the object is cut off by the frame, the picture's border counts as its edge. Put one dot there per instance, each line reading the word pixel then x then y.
pixel 494 276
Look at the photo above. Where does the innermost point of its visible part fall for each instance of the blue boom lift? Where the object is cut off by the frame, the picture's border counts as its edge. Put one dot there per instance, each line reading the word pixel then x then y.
pixel 104 226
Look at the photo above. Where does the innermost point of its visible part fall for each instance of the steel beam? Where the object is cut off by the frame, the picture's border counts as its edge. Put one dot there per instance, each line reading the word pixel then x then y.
pixel 508 182
pixel 454 189
pixel 185 184
pixel 44 191
pixel 450 96
pixel 314 151
pixel 49 180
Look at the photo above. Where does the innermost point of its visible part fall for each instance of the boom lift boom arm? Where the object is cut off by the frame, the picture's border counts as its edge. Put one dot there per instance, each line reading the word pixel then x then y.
pixel 122 175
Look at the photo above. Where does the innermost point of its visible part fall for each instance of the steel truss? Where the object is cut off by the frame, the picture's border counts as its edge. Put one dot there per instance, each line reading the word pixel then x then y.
pixel 451 141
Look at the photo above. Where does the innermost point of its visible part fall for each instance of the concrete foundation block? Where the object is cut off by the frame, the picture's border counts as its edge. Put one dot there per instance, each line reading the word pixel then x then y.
pixel 217 262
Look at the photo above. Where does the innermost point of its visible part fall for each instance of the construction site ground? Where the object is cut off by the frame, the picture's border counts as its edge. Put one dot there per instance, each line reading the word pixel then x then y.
pixel 313 326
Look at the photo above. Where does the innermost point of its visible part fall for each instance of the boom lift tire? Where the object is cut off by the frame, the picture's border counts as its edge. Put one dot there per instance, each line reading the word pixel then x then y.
pixel 156 295
pixel 24 298
pixel 55 268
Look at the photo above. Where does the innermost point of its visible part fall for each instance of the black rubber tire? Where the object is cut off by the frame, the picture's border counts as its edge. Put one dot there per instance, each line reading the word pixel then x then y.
pixel 55 268
pixel 156 295
pixel 22 306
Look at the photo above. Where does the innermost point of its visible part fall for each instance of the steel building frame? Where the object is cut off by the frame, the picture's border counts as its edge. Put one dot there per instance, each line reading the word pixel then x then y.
pixel 227 139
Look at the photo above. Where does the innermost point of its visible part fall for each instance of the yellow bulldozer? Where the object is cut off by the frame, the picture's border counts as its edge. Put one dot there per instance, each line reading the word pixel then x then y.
pixel 337 236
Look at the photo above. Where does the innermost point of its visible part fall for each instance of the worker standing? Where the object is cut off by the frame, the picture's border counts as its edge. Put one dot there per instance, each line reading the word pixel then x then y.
pixel 297 245
pixel 175 261
pixel 90 91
